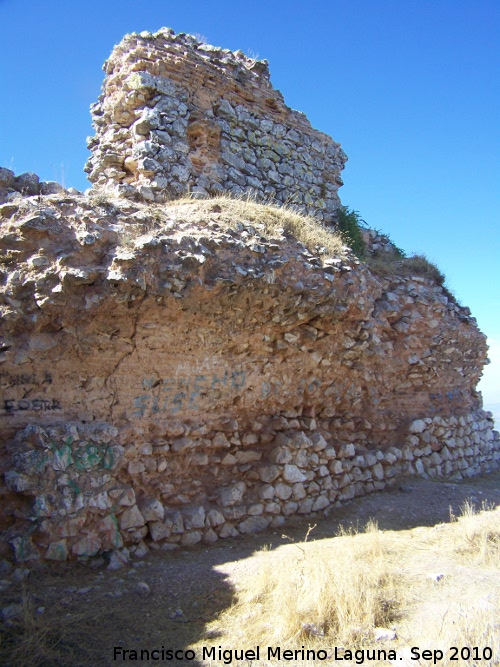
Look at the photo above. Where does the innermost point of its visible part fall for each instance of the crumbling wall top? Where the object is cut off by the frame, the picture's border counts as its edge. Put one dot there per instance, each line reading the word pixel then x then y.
pixel 178 115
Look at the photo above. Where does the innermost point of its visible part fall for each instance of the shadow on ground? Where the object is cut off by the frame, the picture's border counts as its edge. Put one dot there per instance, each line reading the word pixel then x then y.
pixel 75 616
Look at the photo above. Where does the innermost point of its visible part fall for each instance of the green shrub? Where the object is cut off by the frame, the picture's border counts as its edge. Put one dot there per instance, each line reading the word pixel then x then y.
pixel 349 224
pixel 421 266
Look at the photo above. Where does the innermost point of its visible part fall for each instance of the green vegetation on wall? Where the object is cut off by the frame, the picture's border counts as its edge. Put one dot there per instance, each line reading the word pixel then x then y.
pixel 349 224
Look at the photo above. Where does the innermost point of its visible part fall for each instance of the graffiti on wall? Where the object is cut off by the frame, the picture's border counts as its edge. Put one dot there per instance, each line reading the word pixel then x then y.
pixel 34 405
pixel 172 395
pixel 19 379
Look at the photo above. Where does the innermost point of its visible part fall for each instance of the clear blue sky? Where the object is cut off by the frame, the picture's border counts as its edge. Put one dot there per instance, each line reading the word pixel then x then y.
pixel 409 88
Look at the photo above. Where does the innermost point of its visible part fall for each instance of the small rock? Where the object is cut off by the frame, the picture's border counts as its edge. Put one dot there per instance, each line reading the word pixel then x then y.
pixel 85 589
pixel 312 630
pixel 253 524
pixel 384 634
pixel 117 560
pixel 97 562
pixel 143 589
pixel 14 610
pixel 405 488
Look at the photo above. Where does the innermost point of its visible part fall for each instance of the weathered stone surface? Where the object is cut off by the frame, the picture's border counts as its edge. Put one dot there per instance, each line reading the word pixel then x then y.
pixel 151 509
pixel 282 491
pixel 253 524
pixel 193 537
pixel 89 545
pixel 292 474
pixel 130 518
pixel 193 517
pixel 158 531
pixel 57 550
pixel 173 521
pixel 320 503
pixel 269 473
pixel 232 494
pixel 215 518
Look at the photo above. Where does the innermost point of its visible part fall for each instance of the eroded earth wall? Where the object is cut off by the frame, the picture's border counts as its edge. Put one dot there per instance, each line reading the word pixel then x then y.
pixel 178 115
pixel 175 374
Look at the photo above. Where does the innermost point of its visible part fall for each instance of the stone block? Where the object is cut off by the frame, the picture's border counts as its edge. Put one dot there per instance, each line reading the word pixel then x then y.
pixel 254 524
pixel 269 473
pixel 151 509
pixel 193 517
pixel 215 518
pixel 282 491
pixel 191 538
pixel 232 495
pixel 130 518
pixel 292 474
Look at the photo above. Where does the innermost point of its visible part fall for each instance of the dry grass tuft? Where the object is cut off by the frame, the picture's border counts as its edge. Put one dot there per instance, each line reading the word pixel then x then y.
pixel 270 219
pixel 416 265
pixel 50 639
pixel 330 592
pixel 479 540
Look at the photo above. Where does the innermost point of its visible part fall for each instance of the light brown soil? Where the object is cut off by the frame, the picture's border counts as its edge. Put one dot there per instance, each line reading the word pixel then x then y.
pixel 75 615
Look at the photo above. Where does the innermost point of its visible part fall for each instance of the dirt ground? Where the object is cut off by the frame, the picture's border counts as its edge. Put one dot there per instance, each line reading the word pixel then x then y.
pixel 76 615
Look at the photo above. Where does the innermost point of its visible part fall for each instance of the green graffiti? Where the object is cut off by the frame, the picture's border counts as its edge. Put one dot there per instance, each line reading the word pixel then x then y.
pixel 88 457
pixel 108 460
pixel 41 461
pixel 74 487
pixel 63 457
pixel 117 538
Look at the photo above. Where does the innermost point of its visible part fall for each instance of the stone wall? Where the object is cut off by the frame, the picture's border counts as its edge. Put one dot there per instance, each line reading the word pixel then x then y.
pixel 187 371
pixel 89 498
pixel 177 115
pixel 26 185
pixel 179 373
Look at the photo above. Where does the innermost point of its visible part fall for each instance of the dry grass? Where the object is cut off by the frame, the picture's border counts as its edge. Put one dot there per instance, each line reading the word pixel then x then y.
pixel 479 539
pixel 328 592
pixel 270 220
pixel 49 638
pixel 335 592
pixel 416 265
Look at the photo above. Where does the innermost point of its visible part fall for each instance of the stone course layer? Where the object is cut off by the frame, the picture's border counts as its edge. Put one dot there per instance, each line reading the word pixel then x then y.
pixel 175 373
pixel 177 114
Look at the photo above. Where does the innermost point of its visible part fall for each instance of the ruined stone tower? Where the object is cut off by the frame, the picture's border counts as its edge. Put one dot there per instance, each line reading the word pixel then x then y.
pixel 177 115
